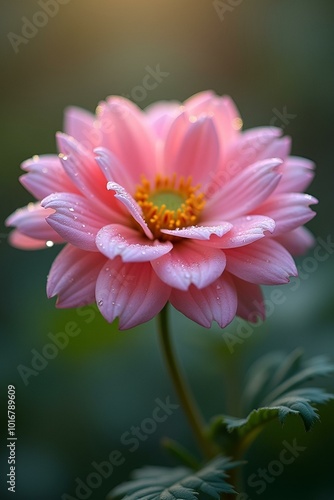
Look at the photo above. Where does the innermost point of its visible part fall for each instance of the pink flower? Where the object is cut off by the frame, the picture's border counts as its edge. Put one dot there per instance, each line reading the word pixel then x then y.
pixel 175 204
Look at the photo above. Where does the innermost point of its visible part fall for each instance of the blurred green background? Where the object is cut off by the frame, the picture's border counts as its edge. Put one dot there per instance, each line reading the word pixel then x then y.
pixel 268 56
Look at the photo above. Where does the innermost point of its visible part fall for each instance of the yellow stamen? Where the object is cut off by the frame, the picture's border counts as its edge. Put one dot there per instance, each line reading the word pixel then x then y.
pixel 169 204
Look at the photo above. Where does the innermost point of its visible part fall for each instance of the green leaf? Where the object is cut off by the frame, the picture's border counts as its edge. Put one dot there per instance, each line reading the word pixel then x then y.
pixel 275 387
pixel 162 483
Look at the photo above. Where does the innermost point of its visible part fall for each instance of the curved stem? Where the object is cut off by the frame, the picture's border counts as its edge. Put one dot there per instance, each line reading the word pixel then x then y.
pixel 189 406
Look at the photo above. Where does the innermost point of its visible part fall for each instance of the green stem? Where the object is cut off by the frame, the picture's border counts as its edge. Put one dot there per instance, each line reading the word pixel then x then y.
pixel 189 406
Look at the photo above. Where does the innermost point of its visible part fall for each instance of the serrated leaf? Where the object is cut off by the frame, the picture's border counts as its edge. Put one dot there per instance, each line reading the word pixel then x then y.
pixel 280 373
pixel 160 483
pixel 308 373
pixel 178 493
pixel 275 385
pixel 150 477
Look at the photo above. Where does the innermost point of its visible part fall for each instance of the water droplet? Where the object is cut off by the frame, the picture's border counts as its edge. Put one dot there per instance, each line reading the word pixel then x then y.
pixel 218 298
pixel 100 303
pixel 237 123
pixel 83 225
pixel 71 209
pixel 218 287
pixel 49 243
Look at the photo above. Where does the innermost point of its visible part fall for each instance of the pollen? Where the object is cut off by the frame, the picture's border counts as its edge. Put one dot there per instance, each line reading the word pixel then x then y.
pixel 170 203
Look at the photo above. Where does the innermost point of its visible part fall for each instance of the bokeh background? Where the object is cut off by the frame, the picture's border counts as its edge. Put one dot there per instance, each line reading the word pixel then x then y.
pixel 268 56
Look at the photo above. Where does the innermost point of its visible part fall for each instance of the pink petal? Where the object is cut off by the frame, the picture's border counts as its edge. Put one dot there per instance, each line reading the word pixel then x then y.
pixel 277 147
pixel 112 169
pixel 244 192
pixel 80 124
pixel 223 111
pixel 297 174
pixel 131 291
pixel 289 210
pixel 250 300
pixel 128 136
pixel 216 302
pixel 174 140
pixel 73 277
pixel 200 102
pixel 45 176
pixel 244 231
pixel 200 232
pixel 82 168
pixel 198 152
pixel 74 219
pixel 31 221
pixel 247 150
pixel 134 209
pixel 161 115
pixel 132 246
pixel 263 262
pixel 189 263
pixel 227 120
pixel 23 242
pixel 298 241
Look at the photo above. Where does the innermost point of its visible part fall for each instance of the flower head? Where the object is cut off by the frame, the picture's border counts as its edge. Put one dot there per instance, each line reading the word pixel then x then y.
pixel 175 203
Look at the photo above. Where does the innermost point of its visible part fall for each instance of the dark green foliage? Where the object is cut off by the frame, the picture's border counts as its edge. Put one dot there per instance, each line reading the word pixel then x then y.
pixel 162 483
pixel 275 387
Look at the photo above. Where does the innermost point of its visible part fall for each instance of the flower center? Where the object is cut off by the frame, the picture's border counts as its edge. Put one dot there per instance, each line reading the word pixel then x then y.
pixel 169 204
